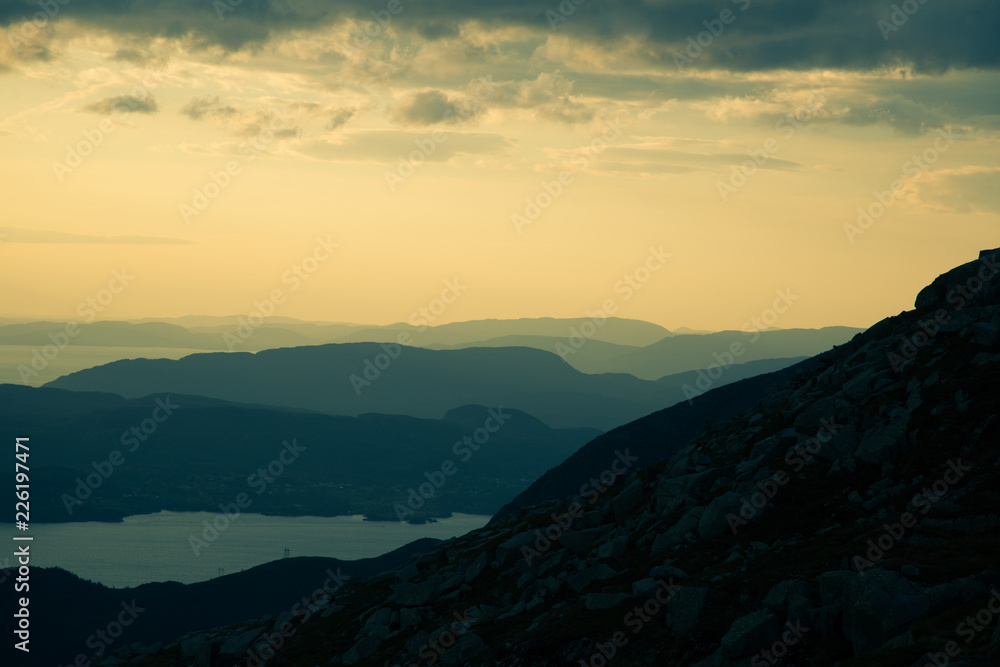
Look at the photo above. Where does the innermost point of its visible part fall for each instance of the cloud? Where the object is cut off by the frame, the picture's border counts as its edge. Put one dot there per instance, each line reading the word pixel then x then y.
pixel 18 235
pixel 199 108
pixel 122 104
pixel 425 108
pixel 388 146
pixel 969 189
pixel 768 35
pixel 340 117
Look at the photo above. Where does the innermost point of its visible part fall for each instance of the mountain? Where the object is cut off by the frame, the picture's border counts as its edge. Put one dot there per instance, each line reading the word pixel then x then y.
pixel 68 607
pixel 848 517
pixel 678 354
pixel 649 439
pixel 355 378
pixel 107 457
pixel 614 330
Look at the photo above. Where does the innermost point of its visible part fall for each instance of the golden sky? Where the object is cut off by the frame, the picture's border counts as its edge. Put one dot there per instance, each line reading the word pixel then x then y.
pixel 537 155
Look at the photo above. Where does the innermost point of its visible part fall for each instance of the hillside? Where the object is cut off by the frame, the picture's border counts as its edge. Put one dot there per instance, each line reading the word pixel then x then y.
pixel 189 453
pixel 848 517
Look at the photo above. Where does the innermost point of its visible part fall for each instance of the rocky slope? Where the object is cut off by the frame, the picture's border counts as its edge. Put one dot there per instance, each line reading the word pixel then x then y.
pixel 849 517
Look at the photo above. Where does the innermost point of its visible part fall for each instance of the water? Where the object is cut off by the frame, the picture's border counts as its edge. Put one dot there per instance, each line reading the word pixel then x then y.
pixel 156 547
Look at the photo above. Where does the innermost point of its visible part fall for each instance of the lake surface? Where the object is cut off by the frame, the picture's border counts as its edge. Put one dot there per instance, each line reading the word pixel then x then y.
pixel 156 547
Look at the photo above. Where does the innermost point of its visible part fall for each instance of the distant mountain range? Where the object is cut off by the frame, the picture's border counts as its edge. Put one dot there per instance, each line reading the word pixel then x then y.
pixel 615 345
pixel 356 378
pixel 189 453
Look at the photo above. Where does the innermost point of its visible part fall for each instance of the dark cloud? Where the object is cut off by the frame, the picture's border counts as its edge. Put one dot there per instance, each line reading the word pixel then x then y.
pixel 769 34
pixel 340 118
pixel 199 108
pixel 134 56
pixel 425 108
pixel 122 104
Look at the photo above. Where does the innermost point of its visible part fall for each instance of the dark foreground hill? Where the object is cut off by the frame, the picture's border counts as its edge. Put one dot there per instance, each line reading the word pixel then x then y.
pixel 649 439
pixel 849 517
pixel 68 613
pixel 101 457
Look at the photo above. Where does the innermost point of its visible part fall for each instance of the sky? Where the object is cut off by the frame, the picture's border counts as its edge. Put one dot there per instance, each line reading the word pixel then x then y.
pixel 684 162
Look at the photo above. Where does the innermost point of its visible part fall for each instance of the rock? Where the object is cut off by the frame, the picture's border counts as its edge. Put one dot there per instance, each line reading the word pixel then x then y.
pixel 645 588
pixel 874 605
pixel 684 610
pixel 614 548
pixel 191 644
pixel 476 568
pixel 581 580
pixel 408 617
pixel 236 645
pixel 749 634
pixel 595 601
pixel 580 541
pixel 407 572
pixel 415 595
pixel 627 500
pixel 985 334
pixel 813 417
pixel 841 445
pixel 363 650
pixel 510 551
pixel 713 520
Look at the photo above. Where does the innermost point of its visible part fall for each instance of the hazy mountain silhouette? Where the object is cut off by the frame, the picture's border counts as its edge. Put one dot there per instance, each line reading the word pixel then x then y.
pixel 344 379
pixel 202 454
pixel 612 330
